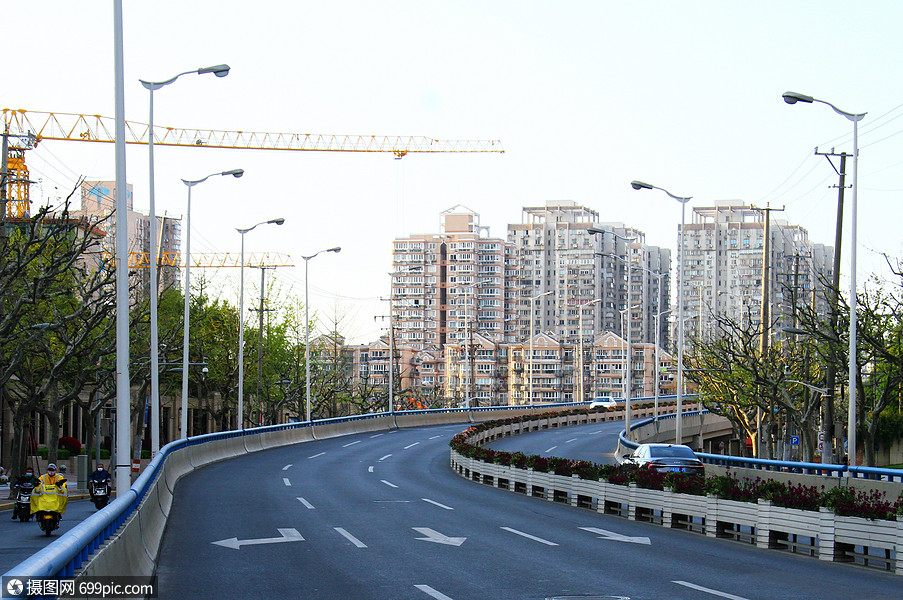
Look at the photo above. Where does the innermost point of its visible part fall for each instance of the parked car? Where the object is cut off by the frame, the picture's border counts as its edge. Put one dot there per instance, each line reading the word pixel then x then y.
pixel 666 458
pixel 603 402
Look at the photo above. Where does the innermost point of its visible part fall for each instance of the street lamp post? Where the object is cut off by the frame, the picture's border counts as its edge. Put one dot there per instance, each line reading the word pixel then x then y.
pixel 530 364
pixel 793 98
pixel 241 320
pixel 151 86
pixel 582 386
pixel 307 260
pixel 639 185
pixel 183 423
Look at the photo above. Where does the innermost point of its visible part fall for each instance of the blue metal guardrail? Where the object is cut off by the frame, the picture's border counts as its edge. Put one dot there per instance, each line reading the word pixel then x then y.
pixel 830 470
pixel 67 554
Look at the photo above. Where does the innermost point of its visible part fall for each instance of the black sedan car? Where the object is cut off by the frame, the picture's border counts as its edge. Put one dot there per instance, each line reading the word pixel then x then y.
pixel 666 458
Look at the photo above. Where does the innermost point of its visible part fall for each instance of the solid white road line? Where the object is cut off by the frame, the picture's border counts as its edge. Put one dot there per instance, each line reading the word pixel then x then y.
pixel 351 443
pixel 286 482
pixel 530 537
pixel 550 449
pixel 431 592
pixel 388 483
pixel 411 445
pixel 434 503
pixel 306 503
pixel 385 457
pixel 316 455
pixel 709 591
pixel 350 537
pixel 286 467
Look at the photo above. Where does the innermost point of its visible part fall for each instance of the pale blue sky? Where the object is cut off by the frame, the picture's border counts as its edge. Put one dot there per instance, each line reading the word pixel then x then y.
pixel 585 97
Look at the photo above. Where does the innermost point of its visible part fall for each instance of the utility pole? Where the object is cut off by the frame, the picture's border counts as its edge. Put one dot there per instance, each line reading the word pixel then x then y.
pixel 827 454
pixel 260 310
pixel 765 311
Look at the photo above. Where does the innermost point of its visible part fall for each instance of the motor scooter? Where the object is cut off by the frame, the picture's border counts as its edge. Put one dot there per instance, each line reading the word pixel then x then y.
pixel 22 508
pixel 100 493
pixel 48 520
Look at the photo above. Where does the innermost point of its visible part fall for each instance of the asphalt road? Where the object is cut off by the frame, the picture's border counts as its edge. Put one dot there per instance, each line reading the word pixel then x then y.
pixel 382 516
pixel 21 540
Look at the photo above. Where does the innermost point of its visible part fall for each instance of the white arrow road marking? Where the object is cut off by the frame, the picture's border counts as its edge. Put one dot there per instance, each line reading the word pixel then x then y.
pixel 389 483
pixel 385 457
pixel 351 443
pixel 530 537
pixel 434 503
pixel 411 445
pixel 617 537
pixel 434 536
pixel 288 535
pixel 286 482
pixel 709 591
pixel 350 537
pixel 306 503
pixel 287 467
pixel 316 455
pixel 431 592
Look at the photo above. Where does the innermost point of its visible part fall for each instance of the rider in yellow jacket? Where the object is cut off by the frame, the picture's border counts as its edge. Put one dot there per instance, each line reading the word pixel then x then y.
pixel 51 493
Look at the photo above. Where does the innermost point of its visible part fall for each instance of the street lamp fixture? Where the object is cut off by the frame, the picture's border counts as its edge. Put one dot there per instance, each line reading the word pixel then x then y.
pixel 219 71
pixel 307 260
pixel 241 319
pixel 640 185
pixel 793 98
pixel 185 326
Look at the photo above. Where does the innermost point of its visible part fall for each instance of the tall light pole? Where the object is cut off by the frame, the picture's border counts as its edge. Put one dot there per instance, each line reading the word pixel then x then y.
pixel 793 98
pixel 241 320
pixel 530 364
pixel 307 328
pixel 183 422
pixel 639 185
pixel 581 386
pixel 123 399
pixel 151 86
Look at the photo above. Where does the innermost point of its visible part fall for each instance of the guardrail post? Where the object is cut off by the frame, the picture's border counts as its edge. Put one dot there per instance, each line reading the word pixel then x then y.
pixel 826 546
pixel 763 524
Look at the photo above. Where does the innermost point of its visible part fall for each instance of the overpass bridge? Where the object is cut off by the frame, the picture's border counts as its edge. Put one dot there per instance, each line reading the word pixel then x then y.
pixel 412 491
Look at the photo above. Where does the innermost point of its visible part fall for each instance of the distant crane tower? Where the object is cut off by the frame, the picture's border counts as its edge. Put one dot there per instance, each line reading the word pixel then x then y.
pixel 71 127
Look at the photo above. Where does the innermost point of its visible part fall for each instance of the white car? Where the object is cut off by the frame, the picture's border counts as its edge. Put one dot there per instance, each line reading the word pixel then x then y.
pixel 604 402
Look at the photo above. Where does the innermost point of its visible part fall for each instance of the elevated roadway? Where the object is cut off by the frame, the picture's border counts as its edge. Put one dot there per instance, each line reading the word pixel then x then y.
pixel 380 515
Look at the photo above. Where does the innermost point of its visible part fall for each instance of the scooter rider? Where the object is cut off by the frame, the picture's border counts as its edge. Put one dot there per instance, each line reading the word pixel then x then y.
pixel 100 475
pixel 28 478
pixel 51 493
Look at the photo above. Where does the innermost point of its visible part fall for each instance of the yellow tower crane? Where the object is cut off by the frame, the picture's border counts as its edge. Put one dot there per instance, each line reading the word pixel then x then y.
pixel 95 128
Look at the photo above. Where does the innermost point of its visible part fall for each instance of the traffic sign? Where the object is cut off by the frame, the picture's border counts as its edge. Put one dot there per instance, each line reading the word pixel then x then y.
pixel 794 440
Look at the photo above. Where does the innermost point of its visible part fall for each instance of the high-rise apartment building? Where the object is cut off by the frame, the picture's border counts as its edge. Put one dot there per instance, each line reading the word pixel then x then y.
pixel 447 285
pixel 571 282
pixel 723 268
